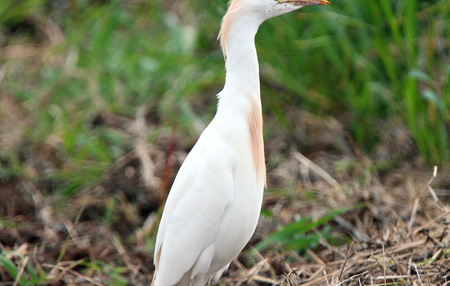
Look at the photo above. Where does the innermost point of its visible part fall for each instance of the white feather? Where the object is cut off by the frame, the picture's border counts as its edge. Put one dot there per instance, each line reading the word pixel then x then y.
pixel 214 204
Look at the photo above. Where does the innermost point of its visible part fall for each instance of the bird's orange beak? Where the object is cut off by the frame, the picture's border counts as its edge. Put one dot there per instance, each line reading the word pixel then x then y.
pixel 306 2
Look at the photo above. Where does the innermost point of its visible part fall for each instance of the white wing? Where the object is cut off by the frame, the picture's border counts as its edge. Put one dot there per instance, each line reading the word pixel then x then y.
pixel 194 209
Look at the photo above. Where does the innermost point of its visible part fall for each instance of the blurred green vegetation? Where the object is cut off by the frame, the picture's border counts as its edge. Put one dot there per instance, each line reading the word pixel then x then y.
pixel 297 235
pixel 26 276
pixel 364 62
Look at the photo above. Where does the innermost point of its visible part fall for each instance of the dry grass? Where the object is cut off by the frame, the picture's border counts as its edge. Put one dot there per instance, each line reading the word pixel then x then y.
pixel 103 235
pixel 399 235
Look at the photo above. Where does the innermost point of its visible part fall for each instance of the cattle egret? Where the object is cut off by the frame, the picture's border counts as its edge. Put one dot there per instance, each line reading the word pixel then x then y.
pixel 215 201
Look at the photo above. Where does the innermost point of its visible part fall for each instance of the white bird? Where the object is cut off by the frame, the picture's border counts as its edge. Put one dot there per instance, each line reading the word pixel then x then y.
pixel 215 201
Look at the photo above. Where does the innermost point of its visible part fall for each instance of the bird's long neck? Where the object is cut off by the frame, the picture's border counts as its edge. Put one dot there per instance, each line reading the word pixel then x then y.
pixel 242 77
pixel 241 93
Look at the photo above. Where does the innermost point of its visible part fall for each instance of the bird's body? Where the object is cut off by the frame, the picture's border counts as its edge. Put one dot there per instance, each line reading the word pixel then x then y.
pixel 215 201
pixel 211 211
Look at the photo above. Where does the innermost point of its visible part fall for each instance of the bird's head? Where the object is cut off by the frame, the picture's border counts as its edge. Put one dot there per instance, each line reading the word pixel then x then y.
pixel 260 10
pixel 272 8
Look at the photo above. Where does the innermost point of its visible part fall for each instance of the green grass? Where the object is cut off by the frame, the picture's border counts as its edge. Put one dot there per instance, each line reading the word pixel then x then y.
pixel 24 274
pixel 115 58
pixel 298 235
pixel 364 62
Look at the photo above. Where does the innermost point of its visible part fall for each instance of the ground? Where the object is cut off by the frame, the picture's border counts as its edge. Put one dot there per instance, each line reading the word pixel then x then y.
pixel 374 228
pixel 101 101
